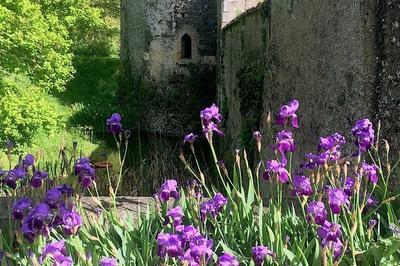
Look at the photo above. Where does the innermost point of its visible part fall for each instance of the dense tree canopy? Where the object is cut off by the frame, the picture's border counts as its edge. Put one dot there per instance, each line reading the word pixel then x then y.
pixel 34 44
pixel 38 42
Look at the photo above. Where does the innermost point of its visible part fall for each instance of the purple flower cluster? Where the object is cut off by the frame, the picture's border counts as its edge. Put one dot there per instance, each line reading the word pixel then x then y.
pixel 316 212
pixel 330 235
pixel 174 216
pixel 365 134
pixel 108 262
pixel 212 207
pixel 190 138
pixel 37 222
pixel 20 208
pixel 114 124
pixel 337 198
pixel 287 112
pixel 330 143
pixel 285 142
pixel 227 259
pixel 259 253
pixel 19 172
pixel 275 167
pixel 188 245
pixel 169 189
pixel 85 172
pixel 349 186
pixel 329 148
pixel 48 214
pixel 58 252
pixel 302 186
pixel 370 171
pixel 210 117
pixel 37 178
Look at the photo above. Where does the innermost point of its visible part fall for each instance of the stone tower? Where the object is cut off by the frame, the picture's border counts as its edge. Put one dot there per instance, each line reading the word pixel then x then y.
pixel 158 36
pixel 168 51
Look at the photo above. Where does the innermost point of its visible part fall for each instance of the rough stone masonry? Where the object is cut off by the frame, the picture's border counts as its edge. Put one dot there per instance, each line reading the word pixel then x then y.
pixel 341 59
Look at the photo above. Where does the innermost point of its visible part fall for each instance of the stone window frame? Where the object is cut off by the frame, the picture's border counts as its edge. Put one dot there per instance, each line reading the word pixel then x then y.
pixel 192 33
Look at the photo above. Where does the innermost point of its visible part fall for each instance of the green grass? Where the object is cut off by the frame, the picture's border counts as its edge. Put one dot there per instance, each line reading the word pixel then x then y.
pixel 46 147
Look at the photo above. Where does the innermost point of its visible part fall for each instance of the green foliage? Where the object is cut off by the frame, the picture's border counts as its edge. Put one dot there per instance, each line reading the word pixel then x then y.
pixel 26 108
pixel 92 93
pixel 90 29
pixel 35 44
pixel 250 86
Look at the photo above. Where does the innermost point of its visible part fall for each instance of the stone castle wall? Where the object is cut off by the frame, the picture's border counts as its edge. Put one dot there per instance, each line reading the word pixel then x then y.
pixel 151 32
pixel 166 86
pixel 328 54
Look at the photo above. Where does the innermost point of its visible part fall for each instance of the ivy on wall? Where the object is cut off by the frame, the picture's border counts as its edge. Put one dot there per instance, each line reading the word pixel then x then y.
pixel 250 85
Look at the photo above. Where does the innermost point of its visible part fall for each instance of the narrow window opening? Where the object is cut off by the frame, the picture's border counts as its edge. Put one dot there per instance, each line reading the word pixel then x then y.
pixel 186 46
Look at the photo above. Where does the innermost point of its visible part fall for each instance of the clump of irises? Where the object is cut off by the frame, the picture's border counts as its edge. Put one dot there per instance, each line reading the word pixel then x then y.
pixel 325 210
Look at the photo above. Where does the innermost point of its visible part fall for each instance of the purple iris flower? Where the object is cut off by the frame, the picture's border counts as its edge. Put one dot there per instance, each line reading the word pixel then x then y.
pixel 169 244
pixel 175 216
pixel 316 211
pixel 200 250
pixel 332 142
pixel 286 112
pixel 370 170
pixel 302 186
pixel 190 138
pixel 227 259
pixel 206 208
pixel 337 198
pixel 189 232
pixel 315 160
pixel 37 178
pixel 212 207
pixel 36 222
pixel 72 221
pixel 210 113
pixel 259 253
pixel 336 248
pixel 329 232
pixel 66 190
pixel 285 142
pixel 114 124
pixel 108 262
pixel 28 160
pixel 10 181
pixel 169 189
pixel 365 134
pixel 58 252
pixel 330 235
pixel 20 208
pixel 349 186
pixel 210 117
pixel 53 198
pixel 85 171
pixel 274 167
pixel 219 201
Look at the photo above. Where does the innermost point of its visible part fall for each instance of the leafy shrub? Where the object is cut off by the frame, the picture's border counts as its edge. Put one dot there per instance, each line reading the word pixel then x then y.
pixel 35 44
pixel 25 109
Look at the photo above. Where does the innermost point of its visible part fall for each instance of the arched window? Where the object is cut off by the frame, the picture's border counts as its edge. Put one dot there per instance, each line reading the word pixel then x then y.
pixel 186 47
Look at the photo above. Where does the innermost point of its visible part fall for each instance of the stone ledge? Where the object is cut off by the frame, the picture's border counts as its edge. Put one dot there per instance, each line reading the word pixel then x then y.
pixel 124 205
